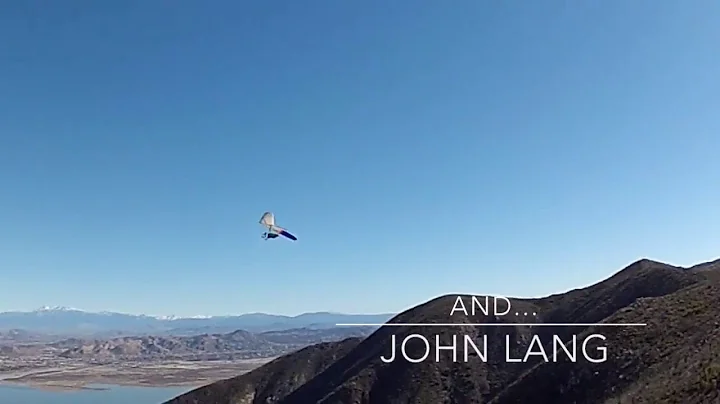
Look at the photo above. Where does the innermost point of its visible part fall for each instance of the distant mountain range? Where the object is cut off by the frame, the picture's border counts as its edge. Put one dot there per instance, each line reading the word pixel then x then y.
pixel 151 359
pixel 239 344
pixel 69 321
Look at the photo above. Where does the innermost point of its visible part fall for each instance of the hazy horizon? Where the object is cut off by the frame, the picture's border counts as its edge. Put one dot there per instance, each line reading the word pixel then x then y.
pixel 70 308
pixel 295 314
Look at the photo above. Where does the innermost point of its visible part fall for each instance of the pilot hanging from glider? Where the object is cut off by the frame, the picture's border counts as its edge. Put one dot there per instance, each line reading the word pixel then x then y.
pixel 273 231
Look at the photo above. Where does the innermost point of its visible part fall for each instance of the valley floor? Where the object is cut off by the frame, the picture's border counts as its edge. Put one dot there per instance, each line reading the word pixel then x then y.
pixel 154 374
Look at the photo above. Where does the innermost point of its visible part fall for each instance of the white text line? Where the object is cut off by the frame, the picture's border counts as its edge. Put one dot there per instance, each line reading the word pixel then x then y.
pixel 491 324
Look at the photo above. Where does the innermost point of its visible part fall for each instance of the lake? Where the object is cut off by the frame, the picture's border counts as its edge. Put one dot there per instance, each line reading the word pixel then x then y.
pixel 115 395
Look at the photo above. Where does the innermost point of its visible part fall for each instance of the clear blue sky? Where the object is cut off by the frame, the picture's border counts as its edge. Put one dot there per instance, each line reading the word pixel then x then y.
pixel 416 148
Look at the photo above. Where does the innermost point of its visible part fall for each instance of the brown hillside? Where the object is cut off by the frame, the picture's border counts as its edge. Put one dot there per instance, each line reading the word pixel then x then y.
pixel 358 375
pixel 169 346
pixel 275 380
pixel 675 359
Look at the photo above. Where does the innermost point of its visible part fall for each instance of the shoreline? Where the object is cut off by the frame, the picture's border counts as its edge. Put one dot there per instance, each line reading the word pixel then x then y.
pixel 81 376
pixel 50 386
pixel 60 386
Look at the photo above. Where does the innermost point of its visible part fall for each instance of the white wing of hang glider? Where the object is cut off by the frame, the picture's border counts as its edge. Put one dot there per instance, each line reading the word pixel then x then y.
pixel 268 220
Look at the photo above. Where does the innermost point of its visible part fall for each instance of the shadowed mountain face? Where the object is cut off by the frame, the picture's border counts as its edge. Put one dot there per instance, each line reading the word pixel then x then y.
pixel 280 377
pixel 675 358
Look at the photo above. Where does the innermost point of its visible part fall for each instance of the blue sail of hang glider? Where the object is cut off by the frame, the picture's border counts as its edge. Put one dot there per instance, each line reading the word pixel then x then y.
pixel 288 235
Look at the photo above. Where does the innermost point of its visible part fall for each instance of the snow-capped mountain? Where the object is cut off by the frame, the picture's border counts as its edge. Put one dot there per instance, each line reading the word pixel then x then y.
pixel 173 317
pixel 55 308
pixel 72 321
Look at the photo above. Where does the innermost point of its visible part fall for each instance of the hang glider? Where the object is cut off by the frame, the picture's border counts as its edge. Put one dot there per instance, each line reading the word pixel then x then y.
pixel 273 230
